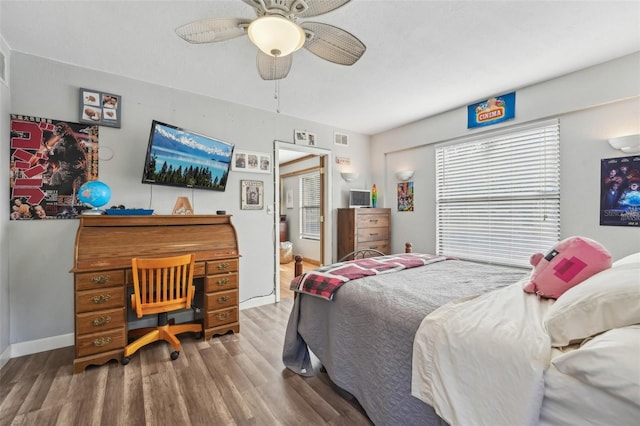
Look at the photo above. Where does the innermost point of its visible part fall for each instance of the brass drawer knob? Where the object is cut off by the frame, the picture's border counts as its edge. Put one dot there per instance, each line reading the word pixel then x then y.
pixel 101 321
pixel 223 299
pixel 103 298
pixel 101 279
pixel 223 266
pixel 223 281
pixel 102 341
pixel 223 316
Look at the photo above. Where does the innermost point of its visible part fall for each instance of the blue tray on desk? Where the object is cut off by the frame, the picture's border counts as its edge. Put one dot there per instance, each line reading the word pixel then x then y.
pixel 129 212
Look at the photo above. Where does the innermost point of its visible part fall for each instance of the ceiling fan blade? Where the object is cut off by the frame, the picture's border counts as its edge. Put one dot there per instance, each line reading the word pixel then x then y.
pixel 272 68
pixel 316 7
pixel 299 8
pixel 332 43
pixel 213 29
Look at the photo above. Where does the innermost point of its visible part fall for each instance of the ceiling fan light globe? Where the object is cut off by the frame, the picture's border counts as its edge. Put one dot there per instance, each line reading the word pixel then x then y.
pixel 275 35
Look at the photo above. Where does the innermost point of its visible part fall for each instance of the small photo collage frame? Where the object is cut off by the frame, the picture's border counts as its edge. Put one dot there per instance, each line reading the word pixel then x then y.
pixel 104 109
pixel 253 162
pixel 302 137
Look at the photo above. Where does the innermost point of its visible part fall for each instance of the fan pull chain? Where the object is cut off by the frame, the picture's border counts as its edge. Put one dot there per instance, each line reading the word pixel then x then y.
pixel 276 94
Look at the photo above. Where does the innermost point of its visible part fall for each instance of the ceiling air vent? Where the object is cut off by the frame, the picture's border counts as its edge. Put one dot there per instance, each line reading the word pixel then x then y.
pixel 340 139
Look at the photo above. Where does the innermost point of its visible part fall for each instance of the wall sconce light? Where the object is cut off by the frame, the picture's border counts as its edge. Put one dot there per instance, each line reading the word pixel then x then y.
pixel 404 175
pixel 349 176
pixel 628 144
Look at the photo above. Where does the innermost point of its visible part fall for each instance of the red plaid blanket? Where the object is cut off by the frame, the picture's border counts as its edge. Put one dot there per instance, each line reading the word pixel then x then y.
pixel 325 281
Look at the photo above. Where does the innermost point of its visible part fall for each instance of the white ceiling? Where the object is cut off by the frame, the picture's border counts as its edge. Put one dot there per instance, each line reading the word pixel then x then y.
pixel 423 57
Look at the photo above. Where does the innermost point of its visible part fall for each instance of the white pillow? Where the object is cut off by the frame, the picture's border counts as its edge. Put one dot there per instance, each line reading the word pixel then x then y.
pixel 609 362
pixel 632 258
pixel 606 300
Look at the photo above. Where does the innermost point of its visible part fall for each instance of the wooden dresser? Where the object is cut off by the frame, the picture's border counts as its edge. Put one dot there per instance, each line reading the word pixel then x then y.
pixel 362 228
pixel 104 247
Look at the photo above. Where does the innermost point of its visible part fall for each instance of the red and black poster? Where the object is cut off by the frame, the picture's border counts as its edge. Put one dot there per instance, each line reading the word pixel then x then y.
pixel 50 160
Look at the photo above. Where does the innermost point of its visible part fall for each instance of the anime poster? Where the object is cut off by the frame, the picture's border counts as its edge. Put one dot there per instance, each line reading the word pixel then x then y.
pixel 50 160
pixel 620 191
pixel 405 197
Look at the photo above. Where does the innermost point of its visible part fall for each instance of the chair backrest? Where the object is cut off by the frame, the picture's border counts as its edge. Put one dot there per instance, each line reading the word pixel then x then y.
pixel 162 284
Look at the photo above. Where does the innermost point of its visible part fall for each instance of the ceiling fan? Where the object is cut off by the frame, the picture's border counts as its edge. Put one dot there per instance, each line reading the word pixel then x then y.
pixel 277 34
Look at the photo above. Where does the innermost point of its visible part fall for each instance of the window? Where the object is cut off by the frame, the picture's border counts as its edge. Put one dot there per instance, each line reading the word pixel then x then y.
pixel 310 206
pixel 498 197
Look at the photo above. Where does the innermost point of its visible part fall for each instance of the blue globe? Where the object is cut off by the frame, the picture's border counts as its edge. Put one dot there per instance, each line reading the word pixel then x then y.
pixel 95 193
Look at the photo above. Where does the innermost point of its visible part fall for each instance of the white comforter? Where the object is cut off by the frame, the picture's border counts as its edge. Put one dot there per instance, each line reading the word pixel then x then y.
pixel 481 361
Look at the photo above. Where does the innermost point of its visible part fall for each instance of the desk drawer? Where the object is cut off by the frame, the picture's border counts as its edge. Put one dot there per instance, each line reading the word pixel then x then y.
pixel 90 344
pixel 222 299
pixel 220 282
pixel 93 322
pixel 95 280
pixel 373 234
pixel 94 300
pixel 199 269
pixel 219 266
pixel 221 317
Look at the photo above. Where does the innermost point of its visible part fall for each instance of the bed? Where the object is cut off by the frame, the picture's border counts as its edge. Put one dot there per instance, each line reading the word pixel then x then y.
pixel 405 345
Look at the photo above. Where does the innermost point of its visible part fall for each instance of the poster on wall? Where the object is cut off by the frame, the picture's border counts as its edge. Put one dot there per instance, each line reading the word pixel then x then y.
pixel 491 111
pixel 620 191
pixel 49 161
pixel 405 197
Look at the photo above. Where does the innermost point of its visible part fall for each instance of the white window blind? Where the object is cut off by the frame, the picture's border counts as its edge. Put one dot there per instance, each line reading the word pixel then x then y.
pixel 498 197
pixel 310 206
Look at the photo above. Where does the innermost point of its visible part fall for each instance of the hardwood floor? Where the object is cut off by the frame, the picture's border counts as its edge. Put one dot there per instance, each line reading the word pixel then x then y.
pixel 236 379
pixel 287 274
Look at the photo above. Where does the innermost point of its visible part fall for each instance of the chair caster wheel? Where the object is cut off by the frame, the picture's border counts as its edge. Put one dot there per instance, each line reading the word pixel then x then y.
pixel 124 360
pixel 175 355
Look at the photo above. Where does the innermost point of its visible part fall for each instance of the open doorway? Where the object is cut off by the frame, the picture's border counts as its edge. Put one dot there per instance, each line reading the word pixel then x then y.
pixel 302 206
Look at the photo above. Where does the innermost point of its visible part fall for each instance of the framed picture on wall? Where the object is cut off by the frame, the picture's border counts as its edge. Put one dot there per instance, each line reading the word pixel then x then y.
pixel 253 162
pixel 302 137
pixel 251 194
pixel 100 108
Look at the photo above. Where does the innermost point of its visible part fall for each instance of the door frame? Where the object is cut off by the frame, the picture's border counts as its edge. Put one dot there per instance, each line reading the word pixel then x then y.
pixel 325 202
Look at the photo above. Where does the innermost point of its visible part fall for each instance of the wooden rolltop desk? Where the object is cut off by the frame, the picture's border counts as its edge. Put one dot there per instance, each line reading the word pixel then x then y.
pixel 104 247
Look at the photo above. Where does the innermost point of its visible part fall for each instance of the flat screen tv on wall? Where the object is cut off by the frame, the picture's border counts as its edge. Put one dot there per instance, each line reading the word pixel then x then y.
pixel 179 157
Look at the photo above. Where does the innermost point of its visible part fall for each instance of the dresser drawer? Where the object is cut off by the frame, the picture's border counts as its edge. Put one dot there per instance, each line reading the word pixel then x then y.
pixel 221 282
pixel 372 221
pixel 222 299
pixel 90 344
pixel 372 234
pixel 93 322
pixel 95 280
pixel 221 317
pixel 219 266
pixel 382 246
pixel 97 300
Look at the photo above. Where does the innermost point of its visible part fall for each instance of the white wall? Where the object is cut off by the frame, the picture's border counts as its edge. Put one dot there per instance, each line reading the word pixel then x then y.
pixel 593 105
pixel 40 285
pixel 5 96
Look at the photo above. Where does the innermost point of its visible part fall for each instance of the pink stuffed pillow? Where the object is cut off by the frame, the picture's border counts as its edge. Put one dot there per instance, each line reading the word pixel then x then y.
pixel 569 262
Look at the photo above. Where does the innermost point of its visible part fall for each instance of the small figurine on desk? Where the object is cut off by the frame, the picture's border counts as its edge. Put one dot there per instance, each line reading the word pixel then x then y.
pixel 374 196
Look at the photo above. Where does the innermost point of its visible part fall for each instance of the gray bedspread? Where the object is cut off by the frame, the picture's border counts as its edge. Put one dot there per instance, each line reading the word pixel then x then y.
pixel 364 337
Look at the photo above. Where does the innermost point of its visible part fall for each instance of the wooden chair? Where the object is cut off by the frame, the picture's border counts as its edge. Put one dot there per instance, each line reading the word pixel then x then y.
pixel 160 286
